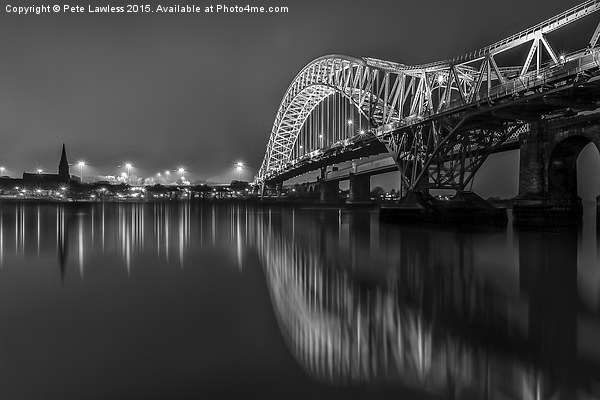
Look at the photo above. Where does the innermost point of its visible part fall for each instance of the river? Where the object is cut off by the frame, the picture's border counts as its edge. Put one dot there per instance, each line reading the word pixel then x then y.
pixel 181 300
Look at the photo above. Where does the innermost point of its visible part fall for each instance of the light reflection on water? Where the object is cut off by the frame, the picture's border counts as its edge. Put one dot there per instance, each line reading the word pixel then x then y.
pixel 76 232
pixel 484 314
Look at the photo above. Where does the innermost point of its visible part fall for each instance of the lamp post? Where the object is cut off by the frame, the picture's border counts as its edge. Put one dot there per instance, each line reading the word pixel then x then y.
pixel 239 167
pixel 1 171
pixel 128 166
pixel 181 170
pixel 81 165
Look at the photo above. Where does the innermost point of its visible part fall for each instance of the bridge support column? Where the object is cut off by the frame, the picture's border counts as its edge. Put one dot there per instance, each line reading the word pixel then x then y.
pixel 330 191
pixel 547 179
pixel 360 188
pixel 532 174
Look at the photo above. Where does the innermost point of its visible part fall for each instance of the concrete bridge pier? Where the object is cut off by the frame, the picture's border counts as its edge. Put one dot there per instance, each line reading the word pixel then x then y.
pixel 548 174
pixel 360 189
pixel 330 191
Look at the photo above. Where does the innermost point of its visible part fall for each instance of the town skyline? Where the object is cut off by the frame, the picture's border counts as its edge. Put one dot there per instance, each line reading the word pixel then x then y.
pixel 127 172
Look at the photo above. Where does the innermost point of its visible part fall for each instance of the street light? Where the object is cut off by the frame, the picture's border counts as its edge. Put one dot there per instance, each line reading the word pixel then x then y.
pixel 239 167
pixel 39 170
pixel 128 166
pixel 1 171
pixel 81 165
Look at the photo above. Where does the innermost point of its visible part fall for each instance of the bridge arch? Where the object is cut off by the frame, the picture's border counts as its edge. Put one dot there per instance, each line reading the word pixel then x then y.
pixel 562 165
pixel 354 79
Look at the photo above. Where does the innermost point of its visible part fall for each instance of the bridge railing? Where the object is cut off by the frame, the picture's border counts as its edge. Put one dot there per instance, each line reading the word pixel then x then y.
pixel 551 74
pixel 546 26
pixel 517 39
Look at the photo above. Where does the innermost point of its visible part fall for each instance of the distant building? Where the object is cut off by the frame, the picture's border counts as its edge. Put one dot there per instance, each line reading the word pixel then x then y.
pixel 42 181
pixel 63 165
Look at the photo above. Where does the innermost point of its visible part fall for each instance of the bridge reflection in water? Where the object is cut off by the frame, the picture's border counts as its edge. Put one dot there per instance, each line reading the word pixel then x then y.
pixel 465 314
pixel 437 310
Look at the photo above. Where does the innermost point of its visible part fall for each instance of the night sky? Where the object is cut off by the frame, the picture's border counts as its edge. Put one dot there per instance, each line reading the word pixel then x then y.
pixel 202 90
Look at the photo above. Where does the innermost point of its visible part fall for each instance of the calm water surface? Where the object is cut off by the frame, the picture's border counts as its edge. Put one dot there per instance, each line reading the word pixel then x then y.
pixel 189 300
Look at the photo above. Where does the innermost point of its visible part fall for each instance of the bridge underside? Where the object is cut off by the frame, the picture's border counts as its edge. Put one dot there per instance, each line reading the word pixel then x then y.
pixel 370 148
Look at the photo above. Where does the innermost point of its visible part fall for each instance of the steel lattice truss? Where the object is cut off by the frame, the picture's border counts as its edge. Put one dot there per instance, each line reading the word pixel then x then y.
pixel 352 77
pixel 432 117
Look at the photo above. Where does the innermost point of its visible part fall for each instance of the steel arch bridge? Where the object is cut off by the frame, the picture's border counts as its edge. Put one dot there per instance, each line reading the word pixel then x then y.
pixel 439 121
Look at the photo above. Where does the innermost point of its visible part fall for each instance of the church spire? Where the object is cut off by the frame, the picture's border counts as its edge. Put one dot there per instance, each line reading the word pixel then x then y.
pixel 63 166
